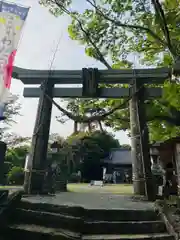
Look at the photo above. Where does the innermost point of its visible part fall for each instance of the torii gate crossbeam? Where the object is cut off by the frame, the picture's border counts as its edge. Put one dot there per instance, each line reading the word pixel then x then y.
pixel 77 92
pixel 122 76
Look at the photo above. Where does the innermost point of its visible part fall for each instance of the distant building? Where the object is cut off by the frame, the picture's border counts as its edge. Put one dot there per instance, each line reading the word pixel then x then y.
pixel 118 166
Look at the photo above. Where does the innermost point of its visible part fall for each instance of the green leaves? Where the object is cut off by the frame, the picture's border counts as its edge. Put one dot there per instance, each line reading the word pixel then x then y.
pixel 172 94
pixel 16 155
pixel 124 64
pixel 117 29
pixel 55 7
pixel 91 52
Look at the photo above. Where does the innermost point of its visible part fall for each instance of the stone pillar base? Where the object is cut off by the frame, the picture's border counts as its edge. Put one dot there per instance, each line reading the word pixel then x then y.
pixel 139 187
pixel 61 186
pixel 26 182
pixel 34 182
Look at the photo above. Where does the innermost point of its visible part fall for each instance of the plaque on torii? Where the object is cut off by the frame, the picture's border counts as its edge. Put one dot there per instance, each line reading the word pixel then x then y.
pixel 91 80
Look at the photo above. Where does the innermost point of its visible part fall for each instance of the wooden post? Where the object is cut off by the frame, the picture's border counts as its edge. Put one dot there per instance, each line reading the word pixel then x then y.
pixel 34 179
pixel 137 167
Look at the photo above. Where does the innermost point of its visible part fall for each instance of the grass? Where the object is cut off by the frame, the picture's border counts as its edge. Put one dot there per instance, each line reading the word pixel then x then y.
pixel 123 189
pixel 10 186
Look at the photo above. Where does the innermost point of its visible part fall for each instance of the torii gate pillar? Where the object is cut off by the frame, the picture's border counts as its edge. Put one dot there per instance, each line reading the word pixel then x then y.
pixel 34 179
pixel 137 166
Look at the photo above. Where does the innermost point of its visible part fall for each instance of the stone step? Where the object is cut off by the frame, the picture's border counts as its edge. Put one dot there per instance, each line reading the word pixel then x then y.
pixel 156 236
pixel 7 206
pixel 93 214
pixel 69 210
pixel 105 227
pixel 121 215
pixel 78 224
pixel 47 219
pixel 36 232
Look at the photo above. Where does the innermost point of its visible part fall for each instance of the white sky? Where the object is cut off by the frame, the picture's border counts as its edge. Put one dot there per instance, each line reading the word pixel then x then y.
pixel 39 39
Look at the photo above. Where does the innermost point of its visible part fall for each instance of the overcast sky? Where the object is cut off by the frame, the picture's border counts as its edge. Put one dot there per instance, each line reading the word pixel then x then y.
pixel 35 51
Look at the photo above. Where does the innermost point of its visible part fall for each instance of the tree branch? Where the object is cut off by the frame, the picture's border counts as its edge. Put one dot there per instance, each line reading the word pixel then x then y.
pixel 159 11
pixel 101 57
pixel 84 119
pixel 130 26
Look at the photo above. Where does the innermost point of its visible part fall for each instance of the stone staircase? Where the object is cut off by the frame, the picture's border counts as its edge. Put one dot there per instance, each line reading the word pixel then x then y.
pixel 45 221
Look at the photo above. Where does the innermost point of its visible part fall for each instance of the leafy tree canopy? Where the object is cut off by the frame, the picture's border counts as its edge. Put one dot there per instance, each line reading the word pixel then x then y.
pixel 88 149
pixel 104 140
pixel 110 31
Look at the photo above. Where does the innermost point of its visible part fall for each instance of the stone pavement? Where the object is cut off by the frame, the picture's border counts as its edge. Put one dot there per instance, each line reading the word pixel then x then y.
pixel 93 201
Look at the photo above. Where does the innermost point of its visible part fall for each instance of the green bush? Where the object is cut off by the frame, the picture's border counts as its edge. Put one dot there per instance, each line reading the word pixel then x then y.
pixel 16 176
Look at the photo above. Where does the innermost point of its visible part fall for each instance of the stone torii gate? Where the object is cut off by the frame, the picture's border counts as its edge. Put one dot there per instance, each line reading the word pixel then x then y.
pixel 90 79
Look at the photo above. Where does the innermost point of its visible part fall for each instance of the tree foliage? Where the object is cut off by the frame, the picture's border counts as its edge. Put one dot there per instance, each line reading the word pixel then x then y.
pixel 85 151
pixel 17 155
pixel 12 109
pixel 110 31
pixel 14 140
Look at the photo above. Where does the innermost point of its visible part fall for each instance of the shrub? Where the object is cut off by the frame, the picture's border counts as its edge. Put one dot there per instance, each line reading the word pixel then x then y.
pixel 16 176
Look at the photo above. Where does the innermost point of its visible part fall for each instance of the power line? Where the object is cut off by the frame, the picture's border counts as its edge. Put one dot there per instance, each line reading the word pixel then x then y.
pixel 49 75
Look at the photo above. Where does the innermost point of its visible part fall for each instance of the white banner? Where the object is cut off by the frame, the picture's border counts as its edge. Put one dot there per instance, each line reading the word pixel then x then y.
pixel 12 18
